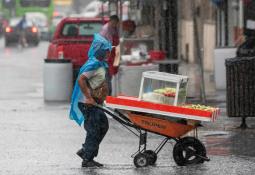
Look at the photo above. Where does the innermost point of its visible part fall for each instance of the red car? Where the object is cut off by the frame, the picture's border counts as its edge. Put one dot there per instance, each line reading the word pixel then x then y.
pixel 72 39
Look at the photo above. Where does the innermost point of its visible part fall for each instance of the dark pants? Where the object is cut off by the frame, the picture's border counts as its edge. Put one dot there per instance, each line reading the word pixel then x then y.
pixel 108 78
pixel 96 125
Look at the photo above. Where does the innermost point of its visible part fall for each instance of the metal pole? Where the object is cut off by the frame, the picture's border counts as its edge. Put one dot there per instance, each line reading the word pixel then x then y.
pixel 121 28
pixel 226 21
pixel 240 14
pixel 199 55
pixel 121 14
pixel 117 7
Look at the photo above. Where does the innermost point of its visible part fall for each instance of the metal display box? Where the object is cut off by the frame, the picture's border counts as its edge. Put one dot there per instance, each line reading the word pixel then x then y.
pixel 163 88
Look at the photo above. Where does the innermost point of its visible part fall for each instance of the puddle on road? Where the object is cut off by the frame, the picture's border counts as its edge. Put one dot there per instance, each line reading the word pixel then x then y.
pixel 239 143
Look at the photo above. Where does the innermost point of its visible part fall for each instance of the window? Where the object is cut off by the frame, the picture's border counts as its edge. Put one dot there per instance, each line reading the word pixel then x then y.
pixel 70 30
pixel 35 3
pixel 14 21
pixel 88 29
pixel 81 29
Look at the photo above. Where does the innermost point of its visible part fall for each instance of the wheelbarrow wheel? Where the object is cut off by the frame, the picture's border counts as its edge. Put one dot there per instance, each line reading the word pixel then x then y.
pixel 141 160
pixel 152 156
pixel 188 151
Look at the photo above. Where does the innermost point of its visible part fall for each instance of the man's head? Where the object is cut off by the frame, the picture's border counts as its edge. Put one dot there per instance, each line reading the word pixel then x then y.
pixel 114 21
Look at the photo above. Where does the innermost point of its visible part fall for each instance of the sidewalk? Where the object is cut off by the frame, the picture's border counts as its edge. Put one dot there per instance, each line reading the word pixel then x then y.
pixel 214 97
pixel 223 122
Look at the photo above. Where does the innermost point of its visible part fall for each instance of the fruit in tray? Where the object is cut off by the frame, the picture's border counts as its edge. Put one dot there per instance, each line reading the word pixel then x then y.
pixel 168 92
pixel 199 107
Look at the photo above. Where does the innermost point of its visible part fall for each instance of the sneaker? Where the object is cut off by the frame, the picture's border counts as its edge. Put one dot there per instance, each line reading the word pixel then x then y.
pixel 80 153
pixel 97 163
pixel 88 164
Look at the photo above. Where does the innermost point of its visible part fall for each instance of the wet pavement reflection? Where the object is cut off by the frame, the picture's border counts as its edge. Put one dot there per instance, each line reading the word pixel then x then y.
pixel 239 143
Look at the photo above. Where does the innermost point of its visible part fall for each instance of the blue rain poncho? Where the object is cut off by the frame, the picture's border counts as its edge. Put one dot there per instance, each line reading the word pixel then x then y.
pixel 99 43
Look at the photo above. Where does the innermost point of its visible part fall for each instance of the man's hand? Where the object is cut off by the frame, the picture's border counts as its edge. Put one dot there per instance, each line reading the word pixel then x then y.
pixel 116 62
pixel 90 101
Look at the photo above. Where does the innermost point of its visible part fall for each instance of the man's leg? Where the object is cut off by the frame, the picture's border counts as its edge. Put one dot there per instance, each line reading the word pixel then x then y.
pixel 96 125
pixel 103 127
pixel 109 82
pixel 90 146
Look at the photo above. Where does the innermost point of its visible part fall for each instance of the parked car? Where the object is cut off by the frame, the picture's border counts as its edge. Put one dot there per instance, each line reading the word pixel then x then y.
pixel 12 33
pixel 41 21
pixel 72 40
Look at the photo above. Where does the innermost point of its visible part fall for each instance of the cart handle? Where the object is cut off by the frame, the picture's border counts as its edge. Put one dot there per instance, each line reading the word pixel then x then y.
pixel 121 118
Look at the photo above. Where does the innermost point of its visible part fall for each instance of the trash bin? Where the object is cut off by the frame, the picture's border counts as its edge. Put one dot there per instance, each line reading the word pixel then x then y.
pixel 57 79
pixel 240 84
pixel 169 66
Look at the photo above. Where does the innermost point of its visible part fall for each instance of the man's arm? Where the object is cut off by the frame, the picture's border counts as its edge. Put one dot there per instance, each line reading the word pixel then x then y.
pixel 116 61
pixel 82 81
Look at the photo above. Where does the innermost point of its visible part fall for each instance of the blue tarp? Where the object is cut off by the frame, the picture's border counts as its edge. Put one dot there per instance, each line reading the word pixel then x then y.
pixel 99 42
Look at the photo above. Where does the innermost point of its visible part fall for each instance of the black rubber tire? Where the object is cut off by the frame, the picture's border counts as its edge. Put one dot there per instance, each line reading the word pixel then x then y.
pixel 186 151
pixel 141 160
pixel 152 156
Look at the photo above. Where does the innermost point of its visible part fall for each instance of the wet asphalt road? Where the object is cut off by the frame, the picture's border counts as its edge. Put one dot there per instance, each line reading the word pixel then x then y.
pixel 38 138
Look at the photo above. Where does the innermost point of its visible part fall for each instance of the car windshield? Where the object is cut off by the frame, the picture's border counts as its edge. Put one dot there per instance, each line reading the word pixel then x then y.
pixel 14 21
pixel 81 29
pixel 37 18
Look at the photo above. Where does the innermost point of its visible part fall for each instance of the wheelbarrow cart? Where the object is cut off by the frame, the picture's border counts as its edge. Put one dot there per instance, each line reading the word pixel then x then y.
pixel 171 122
pixel 160 108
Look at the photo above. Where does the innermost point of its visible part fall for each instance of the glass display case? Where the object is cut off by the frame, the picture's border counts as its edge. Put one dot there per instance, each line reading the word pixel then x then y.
pixel 163 88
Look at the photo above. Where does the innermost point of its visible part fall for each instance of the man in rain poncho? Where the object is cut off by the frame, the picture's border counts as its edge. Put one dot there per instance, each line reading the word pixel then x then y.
pixel 91 88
